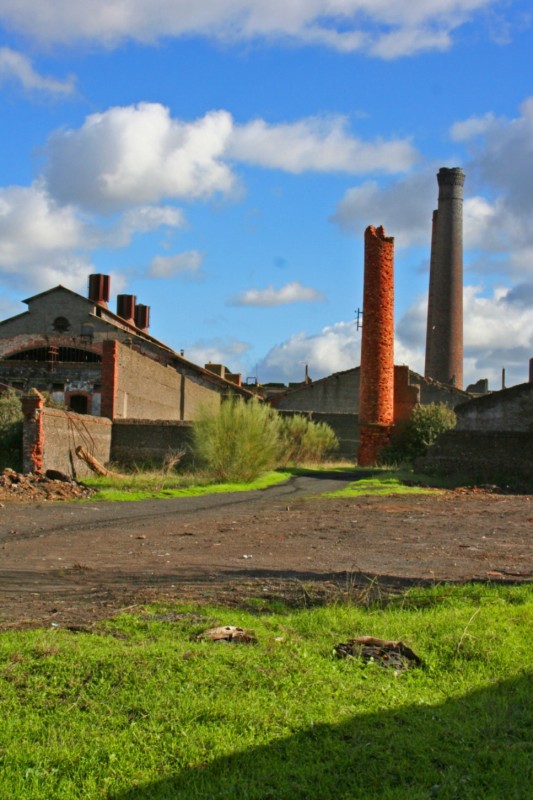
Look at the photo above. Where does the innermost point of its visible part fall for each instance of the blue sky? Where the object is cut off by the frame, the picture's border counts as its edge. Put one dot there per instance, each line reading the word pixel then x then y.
pixel 221 162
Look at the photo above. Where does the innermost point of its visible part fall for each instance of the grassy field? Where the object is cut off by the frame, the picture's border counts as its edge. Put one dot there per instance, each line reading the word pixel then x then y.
pixel 136 708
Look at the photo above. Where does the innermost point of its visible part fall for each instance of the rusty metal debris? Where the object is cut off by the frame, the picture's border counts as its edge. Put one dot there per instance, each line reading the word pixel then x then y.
pixel 379 651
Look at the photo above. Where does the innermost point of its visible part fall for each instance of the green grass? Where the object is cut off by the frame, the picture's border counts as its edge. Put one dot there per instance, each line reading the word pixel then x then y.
pixel 153 485
pixel 388 482
pixel 137 709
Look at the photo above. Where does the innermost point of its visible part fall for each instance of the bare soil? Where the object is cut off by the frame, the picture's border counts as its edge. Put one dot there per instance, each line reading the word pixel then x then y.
pixel 71 564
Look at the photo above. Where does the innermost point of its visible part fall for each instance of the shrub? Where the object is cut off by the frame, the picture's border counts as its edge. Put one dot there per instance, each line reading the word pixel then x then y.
pixel 305 441
pixel 421 431
pixel 10 430
pixel 239 441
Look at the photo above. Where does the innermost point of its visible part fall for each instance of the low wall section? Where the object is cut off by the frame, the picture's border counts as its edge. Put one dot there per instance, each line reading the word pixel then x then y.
pixel 50 438
pixel 148 441
pixel 502 458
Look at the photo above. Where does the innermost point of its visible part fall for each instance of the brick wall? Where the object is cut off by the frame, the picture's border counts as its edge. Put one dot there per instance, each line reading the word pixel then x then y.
pixel 50 438
pixel 148 441
pixel 495 457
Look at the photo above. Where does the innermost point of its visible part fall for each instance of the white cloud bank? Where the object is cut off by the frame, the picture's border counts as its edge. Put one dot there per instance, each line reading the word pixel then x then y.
pixel 498 333
pixel 293 292
pixel 382 28
pixel 320 144
pixel 105 182
pixel 141 154
pixel 17 67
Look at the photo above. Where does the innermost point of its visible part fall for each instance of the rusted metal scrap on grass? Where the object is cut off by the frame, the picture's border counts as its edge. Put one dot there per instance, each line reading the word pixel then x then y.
pixel 379 651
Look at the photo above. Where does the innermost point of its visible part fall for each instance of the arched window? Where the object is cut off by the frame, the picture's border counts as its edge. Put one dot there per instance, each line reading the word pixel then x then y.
pixel 61 324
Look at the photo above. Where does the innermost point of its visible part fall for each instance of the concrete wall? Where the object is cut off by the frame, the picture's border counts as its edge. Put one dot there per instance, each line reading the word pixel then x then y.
pixel 148 441
pixel 145 389
pixel 337 393
pixel 50 438
pixel 508 410
pixel 501 458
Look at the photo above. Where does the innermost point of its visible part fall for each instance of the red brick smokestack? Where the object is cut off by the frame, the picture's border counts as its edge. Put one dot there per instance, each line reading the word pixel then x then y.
pixel 99 289
pixel 444 341
pixel 376 393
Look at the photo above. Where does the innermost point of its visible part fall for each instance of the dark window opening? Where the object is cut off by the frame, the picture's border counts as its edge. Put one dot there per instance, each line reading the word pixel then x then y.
pixel 79 403
pixel 61 324
pixel 56 354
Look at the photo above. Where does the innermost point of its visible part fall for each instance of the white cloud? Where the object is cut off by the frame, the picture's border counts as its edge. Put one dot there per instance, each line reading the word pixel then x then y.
pixel 188 262
pixel 403 207
pixel 501 158
pixel 293 292
pixel 498 332
pixel 34 228
pixel 228 351
pixel 133 155
pixel 18 67
pixel 384 28
pixel 320 145
pixel 335 348
pixel 143 219
pixel 138 154
pixel 472 127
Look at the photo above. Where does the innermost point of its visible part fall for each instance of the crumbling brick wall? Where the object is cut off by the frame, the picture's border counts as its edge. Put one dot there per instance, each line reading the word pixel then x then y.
pixel 148 441
pixel 50 437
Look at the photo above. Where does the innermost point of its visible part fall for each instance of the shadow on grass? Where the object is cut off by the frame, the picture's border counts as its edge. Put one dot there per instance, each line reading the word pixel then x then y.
pixel 474 746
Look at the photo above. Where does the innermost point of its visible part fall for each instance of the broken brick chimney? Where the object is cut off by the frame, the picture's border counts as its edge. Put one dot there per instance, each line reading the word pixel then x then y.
pixel 444 337
pixel 376 393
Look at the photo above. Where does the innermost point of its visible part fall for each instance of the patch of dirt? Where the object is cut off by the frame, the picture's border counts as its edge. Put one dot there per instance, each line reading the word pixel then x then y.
pixel 65 565
pixel 16 487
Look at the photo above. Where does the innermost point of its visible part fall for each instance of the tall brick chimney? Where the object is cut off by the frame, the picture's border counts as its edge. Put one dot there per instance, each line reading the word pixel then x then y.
pixel 99 289
pixel 444 338
pixel 376 392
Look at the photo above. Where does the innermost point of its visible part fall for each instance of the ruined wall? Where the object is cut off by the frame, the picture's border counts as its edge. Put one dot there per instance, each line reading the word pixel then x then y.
pixel 338 393
pixel 376 394
pixel 344 425
pixel 137 387
pixel 50 437
pixel 508 410
pixel 494 457
pixel 148 441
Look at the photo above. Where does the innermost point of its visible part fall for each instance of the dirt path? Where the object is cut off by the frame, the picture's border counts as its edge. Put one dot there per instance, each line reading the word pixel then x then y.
pixel 69 564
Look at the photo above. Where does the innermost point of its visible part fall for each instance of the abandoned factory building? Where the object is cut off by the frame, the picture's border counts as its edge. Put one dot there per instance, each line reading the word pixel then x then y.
pixel 103 363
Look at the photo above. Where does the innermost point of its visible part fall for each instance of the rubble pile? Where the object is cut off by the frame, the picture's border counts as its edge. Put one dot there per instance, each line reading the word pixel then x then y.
pixel 36 487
